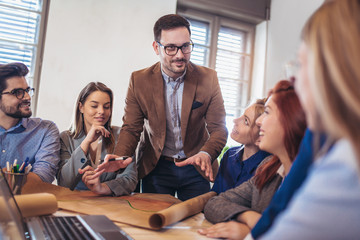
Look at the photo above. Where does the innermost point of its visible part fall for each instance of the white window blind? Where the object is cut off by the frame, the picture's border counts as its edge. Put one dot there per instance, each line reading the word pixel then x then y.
pixel 229 54
pixel 19 32
pixel 232 66
pixel 200 38
pixel 232 63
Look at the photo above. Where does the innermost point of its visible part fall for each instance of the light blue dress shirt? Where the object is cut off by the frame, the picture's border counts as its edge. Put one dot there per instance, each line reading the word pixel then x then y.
pixel 327 206
pixel 35 139
pixel 173 142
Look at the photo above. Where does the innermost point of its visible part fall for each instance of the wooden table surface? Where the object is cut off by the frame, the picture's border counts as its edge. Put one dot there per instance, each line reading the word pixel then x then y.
pixel 183 230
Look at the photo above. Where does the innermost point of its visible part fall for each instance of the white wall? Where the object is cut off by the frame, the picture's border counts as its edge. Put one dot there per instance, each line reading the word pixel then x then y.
pixel 92 40
pixel 258 73
pixel 286 21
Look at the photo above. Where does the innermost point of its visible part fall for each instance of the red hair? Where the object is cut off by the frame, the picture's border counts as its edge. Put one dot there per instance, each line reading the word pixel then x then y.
pixel 293 121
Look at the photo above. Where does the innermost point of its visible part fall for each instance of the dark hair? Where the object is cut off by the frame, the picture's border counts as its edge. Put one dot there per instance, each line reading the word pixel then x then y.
pixel 77 127
pixel 167 22
pixel 293 121
pixel 10 70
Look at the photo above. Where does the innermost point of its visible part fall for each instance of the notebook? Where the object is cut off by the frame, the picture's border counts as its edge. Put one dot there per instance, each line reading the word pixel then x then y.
pixel 14 226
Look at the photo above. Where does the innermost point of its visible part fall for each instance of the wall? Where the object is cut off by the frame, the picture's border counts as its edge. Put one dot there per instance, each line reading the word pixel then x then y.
pixel 258 73
pixel 91 40
pixel 286 21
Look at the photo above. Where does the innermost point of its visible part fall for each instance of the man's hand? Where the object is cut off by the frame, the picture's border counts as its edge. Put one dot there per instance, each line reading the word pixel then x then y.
pixel 93 182
pixel 113 166
pixel 202 160
pixel 229 230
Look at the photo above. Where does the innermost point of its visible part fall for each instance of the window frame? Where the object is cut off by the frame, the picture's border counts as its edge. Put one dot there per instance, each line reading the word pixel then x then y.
pixel 40 53
pixel 215 23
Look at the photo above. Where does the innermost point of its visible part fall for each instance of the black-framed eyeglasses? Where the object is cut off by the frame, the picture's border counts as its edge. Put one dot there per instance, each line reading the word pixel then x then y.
pixel 19 93
pixel 172 50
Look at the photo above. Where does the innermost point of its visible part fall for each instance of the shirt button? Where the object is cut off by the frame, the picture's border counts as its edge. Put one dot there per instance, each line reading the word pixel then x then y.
pixel 3 150
pixel 82 160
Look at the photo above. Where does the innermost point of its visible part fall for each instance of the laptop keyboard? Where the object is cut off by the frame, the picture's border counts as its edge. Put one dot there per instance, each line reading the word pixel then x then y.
pixel 67 227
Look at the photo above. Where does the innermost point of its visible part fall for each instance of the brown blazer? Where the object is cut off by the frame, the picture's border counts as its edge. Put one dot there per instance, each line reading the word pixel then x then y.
pixel 144 121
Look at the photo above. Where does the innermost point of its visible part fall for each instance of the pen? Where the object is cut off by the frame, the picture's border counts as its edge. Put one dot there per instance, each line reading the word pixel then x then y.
pixel 116 159
pixel 27 161
pixel 16 168
pixel 119 158
pixel 22 167
pixel 28 168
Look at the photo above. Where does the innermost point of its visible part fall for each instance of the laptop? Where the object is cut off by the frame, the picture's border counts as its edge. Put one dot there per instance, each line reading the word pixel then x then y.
pixel 14 226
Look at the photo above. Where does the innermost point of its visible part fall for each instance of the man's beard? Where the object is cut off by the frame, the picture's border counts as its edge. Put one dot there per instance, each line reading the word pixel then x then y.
pixel 19 114
pixel 174 69
pixel 11 112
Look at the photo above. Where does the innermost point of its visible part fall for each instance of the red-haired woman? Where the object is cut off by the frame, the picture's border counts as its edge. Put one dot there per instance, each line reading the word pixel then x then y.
pixel 282 127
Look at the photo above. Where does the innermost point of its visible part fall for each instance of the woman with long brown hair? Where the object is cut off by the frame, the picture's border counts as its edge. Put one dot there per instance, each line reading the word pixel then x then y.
pixel 282 127
pixel 89 139
pixel 327 205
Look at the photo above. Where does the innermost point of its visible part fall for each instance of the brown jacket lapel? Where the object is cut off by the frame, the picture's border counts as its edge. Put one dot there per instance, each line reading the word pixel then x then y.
pixel 190 84
pixel 157 83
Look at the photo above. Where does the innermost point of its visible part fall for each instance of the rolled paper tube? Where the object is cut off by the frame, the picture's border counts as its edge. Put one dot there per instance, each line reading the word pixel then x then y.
pixel 36 204
pixel 179 211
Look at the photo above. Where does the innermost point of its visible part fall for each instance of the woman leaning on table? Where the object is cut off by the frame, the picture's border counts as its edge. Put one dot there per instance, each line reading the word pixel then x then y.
pixel 89 139
pixel 327 205
pixel 282 127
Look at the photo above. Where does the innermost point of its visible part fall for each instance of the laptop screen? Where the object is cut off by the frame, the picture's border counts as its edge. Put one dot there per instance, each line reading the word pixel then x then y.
pixel 11 221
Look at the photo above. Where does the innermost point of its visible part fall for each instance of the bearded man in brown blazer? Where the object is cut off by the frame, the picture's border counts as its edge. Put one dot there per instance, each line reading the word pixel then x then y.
pixel 174 117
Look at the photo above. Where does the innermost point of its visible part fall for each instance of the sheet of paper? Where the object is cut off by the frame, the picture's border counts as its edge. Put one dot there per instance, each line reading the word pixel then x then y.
pixel 153 211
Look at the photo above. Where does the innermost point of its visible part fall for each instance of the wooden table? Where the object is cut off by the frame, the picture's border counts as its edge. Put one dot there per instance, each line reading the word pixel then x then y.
pixel 185 229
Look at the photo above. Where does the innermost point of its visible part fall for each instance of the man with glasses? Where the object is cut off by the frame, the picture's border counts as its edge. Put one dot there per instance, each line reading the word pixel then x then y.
pixel 174 117
pixel 28 140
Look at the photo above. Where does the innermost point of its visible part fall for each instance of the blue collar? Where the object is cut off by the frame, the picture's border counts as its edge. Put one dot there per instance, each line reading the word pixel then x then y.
pixel 19 127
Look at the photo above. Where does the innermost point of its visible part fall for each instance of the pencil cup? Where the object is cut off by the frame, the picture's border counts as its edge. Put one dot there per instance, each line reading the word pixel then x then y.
pixel 16 181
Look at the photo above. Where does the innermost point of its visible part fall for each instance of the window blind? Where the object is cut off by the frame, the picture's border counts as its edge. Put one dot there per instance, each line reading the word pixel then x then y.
pixel 200 37
pixel 231 66
pixel 232 63
pixel 19 32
